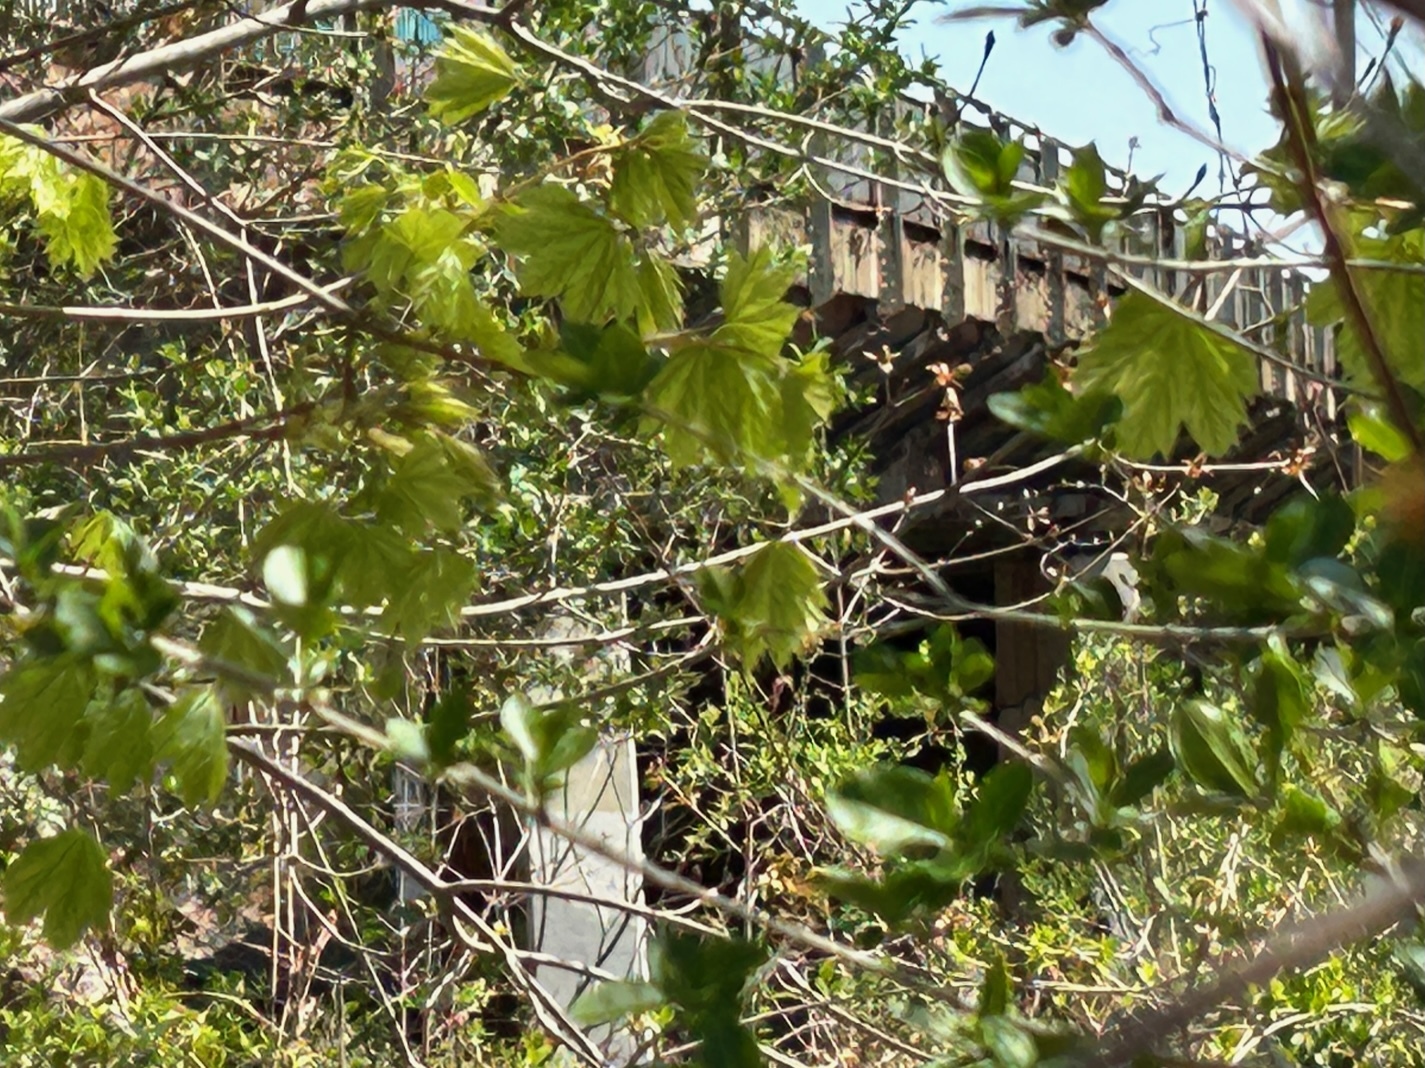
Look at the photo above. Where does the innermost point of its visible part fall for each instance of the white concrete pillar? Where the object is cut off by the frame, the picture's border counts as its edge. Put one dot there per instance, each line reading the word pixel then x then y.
pixel 600 796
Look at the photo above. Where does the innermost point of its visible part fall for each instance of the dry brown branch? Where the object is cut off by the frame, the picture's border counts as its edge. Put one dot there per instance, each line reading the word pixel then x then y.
pixel 551 1015
pixel 1390 900
pixel 1414 8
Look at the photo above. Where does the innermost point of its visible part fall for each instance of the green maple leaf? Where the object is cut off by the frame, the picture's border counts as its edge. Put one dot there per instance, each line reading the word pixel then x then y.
pixel 119 748
pixel 1170 371
pixel 809 394
pixel 717 403
pixel 1047 408
pixel 71 210
pixel 429 482
pixel 41 704
pixel 429 593
pixel 656 174
pixel 773 605
pixel 192 739
pixel 339 556
pixel 731 395
pixel 571 251
pixel 423 258
pixel 612 361
pixel 1394 303
pixel 472 72
pixel 79 230
pixel 660 305
pixel 375 556
pixel 238 637
pixel 64 878
pixel 470 319
pixel 413 241
pixel 360 207
pixel 442 293
pixel 755 317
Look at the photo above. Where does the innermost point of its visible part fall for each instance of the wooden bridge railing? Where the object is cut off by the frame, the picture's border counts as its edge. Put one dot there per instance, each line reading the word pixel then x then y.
pixel 893 244
pixel 877 236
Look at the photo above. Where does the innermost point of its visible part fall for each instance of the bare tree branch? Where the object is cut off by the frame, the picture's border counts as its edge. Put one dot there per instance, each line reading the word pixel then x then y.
pixel 551 1015
pixel 1414 8
pixel 119 314
pixel 258 427
pixel 177 56
pixel 1391 900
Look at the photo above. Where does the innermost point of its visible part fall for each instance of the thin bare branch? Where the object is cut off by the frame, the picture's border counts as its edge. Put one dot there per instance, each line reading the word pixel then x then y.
pixel 118 314
pixel 1390 900
pixel 82 454
pixel 177 56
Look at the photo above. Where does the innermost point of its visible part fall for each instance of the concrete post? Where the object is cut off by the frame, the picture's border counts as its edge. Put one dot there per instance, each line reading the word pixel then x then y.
pixel 600 796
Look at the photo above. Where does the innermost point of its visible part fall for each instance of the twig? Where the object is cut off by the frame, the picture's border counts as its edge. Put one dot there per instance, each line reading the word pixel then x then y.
pixel 259 427
pixel 107 29
pixel 117 314
pixel 1393 899
pixel 1301 137
pixel 177 56
pixel 550 1013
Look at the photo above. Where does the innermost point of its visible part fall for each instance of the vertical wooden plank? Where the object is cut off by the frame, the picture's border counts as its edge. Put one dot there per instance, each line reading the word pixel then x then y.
pixel 1343 25
pixel 1027 658
pixel 1296 333
pixel 1098 282
pixel 1326 347
pixel 1054 279
pixel 821 271
pixel 890 226
pixel 952 273
pixel 383 62
pixel 1162 244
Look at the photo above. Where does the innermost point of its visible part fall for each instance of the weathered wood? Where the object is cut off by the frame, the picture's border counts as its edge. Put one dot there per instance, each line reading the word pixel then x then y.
pixel 1028 659
pixel 1054 326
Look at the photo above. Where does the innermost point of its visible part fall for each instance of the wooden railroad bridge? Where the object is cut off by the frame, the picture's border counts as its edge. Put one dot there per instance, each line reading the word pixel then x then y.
pixel 898 286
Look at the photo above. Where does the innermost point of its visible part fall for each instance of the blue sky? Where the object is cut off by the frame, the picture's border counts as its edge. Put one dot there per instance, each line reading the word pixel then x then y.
pixel 1078 94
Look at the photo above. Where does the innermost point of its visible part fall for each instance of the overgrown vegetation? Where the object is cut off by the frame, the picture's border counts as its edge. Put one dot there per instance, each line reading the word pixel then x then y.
pixel 397 419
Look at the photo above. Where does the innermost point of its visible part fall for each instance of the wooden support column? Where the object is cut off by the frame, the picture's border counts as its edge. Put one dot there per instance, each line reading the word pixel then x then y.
pixel 952 273
pixel 890 232
pixel 1343 21
pixel 821 271
pixel 1054 259
pixel 1027 658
